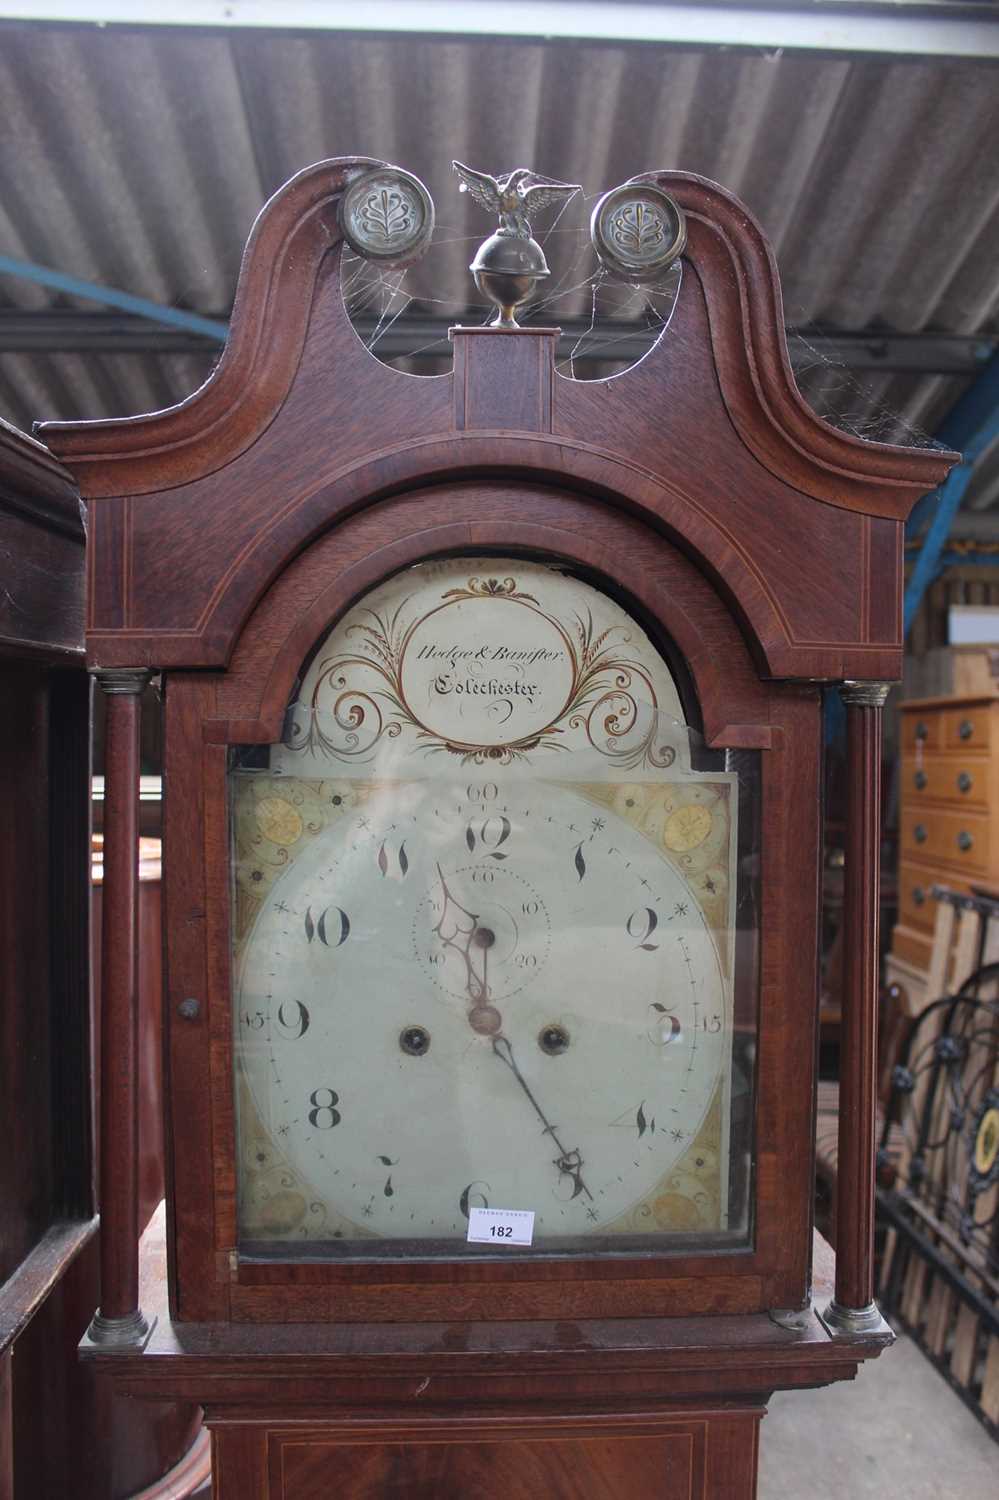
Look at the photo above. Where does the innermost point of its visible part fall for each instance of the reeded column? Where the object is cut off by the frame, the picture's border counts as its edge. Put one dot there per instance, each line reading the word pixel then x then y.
pixel 119 1322
pixel 853 1309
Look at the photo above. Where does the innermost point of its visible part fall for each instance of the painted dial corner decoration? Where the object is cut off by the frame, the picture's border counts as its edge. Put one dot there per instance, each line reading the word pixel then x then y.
pixel 484 936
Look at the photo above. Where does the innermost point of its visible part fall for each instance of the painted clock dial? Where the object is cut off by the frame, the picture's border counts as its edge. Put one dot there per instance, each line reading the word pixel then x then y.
pixel 484 931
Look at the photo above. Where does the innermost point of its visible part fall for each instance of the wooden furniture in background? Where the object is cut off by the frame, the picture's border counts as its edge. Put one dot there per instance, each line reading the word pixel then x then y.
pixel 47 1225
pixel 948 830
pixel 62 1433
pixel 765 548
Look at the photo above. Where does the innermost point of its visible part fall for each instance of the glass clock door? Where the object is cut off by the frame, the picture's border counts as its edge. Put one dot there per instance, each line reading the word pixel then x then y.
pixel 494 934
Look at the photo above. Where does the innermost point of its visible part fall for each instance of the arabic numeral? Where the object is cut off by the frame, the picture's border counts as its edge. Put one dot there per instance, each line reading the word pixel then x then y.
pixel 640 926
pixel 487 793
pixel 491 833
pixel 579 861
pixel 637 1120
pixel 324 1115
pixel 711 1023
pixel 530 908
pixel 294 1021
pixel 331 927
pixel 483 876
pixel 252 1022
pixel 388 861
pixel 664 1027
pixel 474 1197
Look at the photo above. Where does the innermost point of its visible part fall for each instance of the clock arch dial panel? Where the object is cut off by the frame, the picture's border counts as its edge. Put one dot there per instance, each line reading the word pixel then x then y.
pixel 494 935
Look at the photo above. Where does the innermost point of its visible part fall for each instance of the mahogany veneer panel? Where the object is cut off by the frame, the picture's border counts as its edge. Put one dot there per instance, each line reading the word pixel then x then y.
pixel 622 553
pixel 708 1455
pixel 668 1464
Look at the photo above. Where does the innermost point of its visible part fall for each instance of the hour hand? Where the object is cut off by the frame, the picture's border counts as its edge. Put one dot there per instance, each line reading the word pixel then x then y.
pixel 456 924
pixel 459 930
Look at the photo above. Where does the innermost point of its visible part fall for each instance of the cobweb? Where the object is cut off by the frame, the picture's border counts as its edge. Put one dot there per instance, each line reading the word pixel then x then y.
pixel 607 325
pixel 852 403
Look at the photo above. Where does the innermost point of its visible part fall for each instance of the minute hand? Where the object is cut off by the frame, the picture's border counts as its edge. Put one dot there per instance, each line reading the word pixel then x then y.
pixel 568 1162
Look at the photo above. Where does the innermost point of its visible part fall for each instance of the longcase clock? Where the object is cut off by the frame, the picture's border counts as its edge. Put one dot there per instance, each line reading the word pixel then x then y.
pixel 492 851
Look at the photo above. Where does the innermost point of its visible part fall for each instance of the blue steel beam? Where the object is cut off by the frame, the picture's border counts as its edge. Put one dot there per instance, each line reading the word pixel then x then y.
pixel 140 306
pixel 971 428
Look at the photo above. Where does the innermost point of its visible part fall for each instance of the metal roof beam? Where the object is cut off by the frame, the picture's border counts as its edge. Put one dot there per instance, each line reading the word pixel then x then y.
pixel 972 427
pixel 909 28
pixel 142 307
pixel 65 330
pixel 969 526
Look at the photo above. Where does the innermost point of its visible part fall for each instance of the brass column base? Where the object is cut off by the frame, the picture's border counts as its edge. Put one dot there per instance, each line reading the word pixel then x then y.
pixel 854 1322
pixel 127 1335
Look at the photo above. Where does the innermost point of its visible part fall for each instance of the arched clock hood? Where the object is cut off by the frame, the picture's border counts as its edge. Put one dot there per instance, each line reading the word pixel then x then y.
pixel 791 518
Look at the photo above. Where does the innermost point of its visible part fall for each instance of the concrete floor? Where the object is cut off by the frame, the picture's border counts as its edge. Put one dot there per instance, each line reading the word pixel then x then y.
pixel 898 1430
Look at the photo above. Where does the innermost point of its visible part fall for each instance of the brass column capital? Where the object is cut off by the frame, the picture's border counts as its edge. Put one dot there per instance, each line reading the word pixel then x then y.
pixel 865 694
pixel 122 681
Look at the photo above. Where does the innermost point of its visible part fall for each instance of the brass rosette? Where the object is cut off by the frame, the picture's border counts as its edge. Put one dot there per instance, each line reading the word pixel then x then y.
pixel 638 231
pixel 387 215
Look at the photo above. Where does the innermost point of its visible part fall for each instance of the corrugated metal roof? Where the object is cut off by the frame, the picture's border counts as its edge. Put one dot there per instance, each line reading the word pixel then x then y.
pixel 139 160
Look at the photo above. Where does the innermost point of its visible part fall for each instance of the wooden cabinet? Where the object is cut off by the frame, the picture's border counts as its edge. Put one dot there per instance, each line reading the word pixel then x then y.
pixel 947 835
pixel 62 1432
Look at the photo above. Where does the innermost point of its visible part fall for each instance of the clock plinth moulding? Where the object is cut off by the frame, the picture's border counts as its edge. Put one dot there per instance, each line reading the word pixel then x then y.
pixel 230 535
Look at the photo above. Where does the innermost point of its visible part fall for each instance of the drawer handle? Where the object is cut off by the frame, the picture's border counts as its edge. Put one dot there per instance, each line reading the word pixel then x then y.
pixel 922 732
pixel 964 782
pixel 919 833
pixel 920 780
pixel 964 841
pixel 966 729
pixel 918 896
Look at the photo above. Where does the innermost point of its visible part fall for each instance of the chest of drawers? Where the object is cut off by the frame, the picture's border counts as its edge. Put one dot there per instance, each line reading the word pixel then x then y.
pixel 948 811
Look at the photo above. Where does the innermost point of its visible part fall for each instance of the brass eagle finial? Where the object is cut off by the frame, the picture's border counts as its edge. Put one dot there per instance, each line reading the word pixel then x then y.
pixel 514 196
pixel 509 264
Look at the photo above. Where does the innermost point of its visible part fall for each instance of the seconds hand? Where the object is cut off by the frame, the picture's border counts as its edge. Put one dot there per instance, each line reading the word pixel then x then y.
pixel 569 1162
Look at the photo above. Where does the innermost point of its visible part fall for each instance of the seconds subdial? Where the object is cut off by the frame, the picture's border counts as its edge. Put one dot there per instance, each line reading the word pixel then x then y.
pixel 481 934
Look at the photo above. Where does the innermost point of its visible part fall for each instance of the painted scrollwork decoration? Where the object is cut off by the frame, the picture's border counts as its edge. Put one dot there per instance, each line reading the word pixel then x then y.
pixel 484 672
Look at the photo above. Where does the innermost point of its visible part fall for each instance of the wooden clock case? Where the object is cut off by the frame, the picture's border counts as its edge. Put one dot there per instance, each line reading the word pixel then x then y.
pixel 226 535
